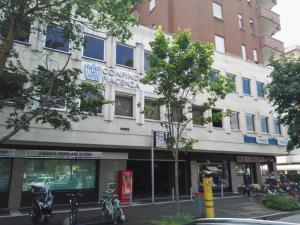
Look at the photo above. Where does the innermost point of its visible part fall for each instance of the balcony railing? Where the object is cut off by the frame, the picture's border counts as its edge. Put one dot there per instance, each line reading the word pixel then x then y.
pixel 269 4
pixel 269 21
pixel 271 46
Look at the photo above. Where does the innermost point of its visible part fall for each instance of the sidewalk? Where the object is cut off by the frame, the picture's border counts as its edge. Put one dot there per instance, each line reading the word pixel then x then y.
pixel 143 214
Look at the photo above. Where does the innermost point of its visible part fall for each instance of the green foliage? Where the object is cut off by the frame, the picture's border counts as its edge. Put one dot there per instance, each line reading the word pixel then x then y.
pixel 282 202
pixel 180 70
pixel 284 92
pixel 37 95
pixel 174 220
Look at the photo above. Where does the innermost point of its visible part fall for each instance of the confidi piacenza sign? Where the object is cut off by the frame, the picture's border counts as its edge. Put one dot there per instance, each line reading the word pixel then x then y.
pixel 105 75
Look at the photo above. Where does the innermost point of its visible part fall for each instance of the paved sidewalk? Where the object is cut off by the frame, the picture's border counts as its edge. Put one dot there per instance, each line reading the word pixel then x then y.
pixel 239 207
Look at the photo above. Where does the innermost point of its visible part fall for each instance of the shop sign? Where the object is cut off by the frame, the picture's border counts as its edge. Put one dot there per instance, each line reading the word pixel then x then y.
pixel 282 142
pixel 62 154
pixel 250 159
pixel 160 139
pixel 107 75
pixel 7 153
pixel 92 72
pixel 262 140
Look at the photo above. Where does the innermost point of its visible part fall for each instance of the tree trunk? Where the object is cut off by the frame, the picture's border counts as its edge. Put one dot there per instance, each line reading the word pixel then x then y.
pixel 7 45
pixel 176 182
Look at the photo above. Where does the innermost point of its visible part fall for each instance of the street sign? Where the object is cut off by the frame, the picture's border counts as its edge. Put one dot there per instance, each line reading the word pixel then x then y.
pixel 160 139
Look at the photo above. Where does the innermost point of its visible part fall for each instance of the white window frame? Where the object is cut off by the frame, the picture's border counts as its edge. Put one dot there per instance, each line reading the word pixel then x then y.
pixel 219 44
pixel 238 120
pixel 119 94
pixel 102 107
pixel 104 50
pixel 151 5
pixel 128 46
pixel 241 21
pixel 255 59
pixel 149 119
pixel 217 10
pixel 253 122
pixel 244 52
pixel 274 124
pixel 267 124
pixel 57 50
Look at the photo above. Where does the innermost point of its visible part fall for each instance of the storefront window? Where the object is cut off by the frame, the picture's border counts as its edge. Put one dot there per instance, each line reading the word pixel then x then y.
pixel 219 173
pixel 5 173
pixel 60 174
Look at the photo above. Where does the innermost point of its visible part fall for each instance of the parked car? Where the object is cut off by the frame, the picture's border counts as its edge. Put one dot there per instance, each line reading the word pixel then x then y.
pixel 234 221
pixel 41 181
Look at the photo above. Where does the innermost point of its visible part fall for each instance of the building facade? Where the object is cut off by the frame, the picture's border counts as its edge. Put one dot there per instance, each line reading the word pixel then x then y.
pixel 242 27
pixel 88 157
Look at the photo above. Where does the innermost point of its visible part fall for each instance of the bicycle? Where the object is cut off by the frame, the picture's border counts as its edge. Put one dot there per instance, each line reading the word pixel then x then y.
pixel 110 208
pixel 74 203
pixel 42 202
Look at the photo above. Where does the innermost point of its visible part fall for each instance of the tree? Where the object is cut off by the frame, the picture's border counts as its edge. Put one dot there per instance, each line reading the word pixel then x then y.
pixel 284 92
pixel 32 93
pixel 180 70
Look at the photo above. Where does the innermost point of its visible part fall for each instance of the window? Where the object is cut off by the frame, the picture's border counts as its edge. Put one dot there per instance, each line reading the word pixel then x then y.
pixel 146 61
pixel 93 47
pixel 232 78
pixel 125 55
pixel 23 32
pixel 198 118
pixel 54 101
pixel 55 39
pixel 213 75
pixel 251 22
pixel 219 44
pixel 151 5
pixel 59 174
pixel 5 174
pixel 264 125
pixel 234 121
pixel 92 103
pixel 124 106
pixel 277 126
pixel 244 53
pixel 260 89
pixel 217 118
pixel 246 86
pixel 241 21
pixel 250 122
pixel 217 11
pixel 151 112
pixel 255 56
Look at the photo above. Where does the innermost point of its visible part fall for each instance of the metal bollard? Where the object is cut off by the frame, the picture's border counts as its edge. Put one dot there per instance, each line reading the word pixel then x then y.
pixel 191 196
pixel 222 192
pixel 208 198
pixel 173 195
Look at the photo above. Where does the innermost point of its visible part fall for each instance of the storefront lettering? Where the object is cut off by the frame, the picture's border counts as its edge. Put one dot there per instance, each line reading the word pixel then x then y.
pixel 7 152
pixel 62 154
pixel 111 76
pixel 249 159
pixel 262 140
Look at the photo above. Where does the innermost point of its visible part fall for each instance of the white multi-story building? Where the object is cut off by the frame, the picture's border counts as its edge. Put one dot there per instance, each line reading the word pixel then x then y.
pixel 88 157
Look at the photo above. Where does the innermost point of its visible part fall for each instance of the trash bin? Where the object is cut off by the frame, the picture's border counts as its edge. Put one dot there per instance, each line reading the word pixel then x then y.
pixel 200 199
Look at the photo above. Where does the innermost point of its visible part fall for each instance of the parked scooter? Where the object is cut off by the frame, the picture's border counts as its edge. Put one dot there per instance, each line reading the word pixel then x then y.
pixel 42 203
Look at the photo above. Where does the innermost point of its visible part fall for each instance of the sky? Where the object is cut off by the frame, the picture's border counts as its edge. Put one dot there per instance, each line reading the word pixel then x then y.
pixel 289 11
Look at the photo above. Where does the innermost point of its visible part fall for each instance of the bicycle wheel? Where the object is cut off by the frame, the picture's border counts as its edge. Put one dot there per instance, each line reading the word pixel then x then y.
pixel 119 216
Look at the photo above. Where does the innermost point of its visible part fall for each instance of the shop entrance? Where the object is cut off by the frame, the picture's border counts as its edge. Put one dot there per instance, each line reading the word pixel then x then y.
pixel 243 169
pixel 164 178
pixel 219 173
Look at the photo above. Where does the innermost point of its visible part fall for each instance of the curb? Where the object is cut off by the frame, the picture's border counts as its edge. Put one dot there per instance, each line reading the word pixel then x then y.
pixel 276 216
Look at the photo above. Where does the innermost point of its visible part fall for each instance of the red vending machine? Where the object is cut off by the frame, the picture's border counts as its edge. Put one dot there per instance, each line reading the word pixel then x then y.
pixel 125 185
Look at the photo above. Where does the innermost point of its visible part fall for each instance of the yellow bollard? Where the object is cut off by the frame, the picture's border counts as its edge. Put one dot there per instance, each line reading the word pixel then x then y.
pixel 208 198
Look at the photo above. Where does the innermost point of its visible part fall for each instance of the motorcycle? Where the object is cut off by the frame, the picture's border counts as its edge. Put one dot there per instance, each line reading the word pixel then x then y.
pixel 42 204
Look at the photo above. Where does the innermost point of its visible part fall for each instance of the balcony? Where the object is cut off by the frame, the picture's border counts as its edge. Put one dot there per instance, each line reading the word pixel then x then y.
pixel 269 4
pixel 268 21
pixel 270 46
